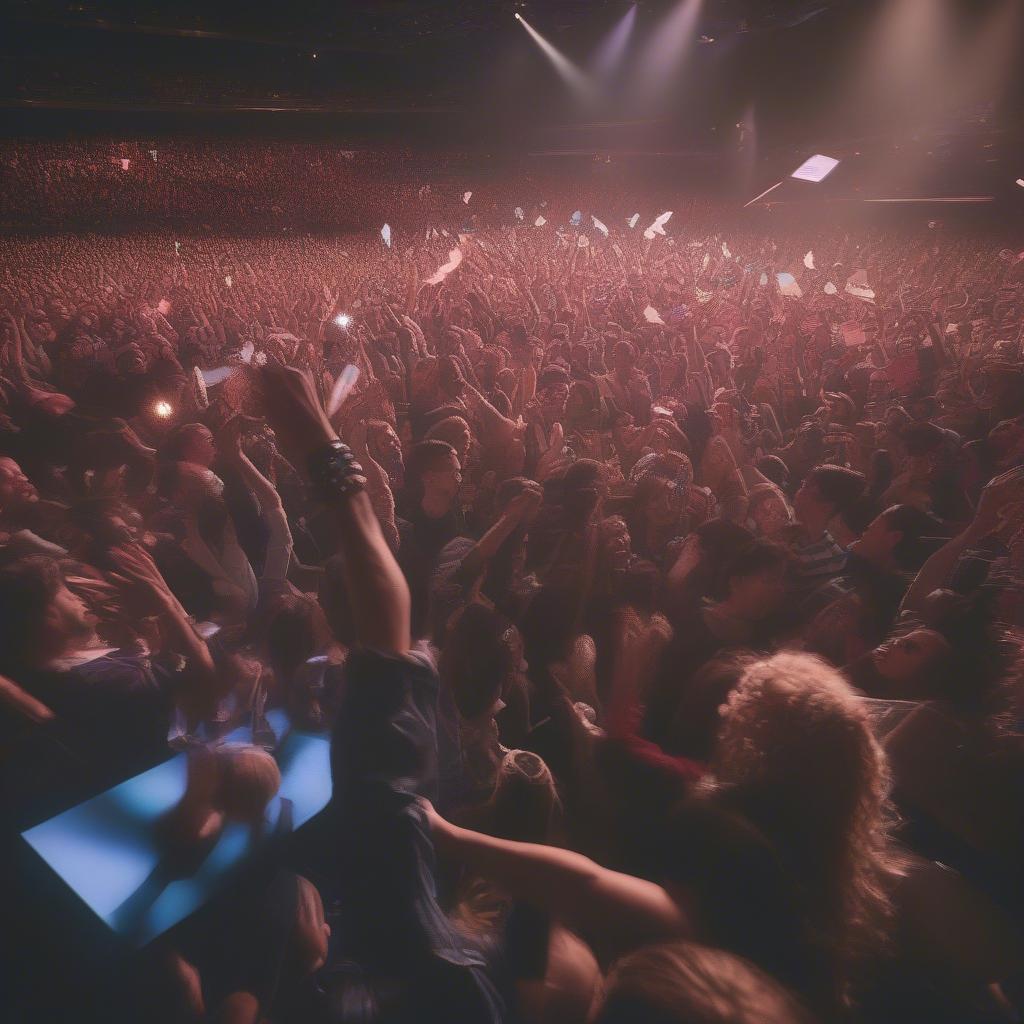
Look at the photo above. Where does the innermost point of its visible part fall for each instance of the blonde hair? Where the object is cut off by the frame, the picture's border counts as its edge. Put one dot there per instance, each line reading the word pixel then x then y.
pixel 693 984
pixel 248 780
pixel 797 753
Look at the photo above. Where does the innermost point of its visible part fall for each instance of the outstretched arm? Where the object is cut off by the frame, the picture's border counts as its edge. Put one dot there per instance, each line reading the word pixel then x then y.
pixel 377 589
pixel 602 906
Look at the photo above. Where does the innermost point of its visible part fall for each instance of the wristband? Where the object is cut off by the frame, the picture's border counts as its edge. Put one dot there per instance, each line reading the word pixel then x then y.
pixel 334 472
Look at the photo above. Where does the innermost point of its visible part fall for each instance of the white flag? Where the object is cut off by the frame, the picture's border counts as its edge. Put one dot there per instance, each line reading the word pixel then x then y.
pixel 658 226
pixel 539 222
pixel 466 196
pixel 385 233
pixel 603 228
pixel 652 316
pixel 725 251
pixel 809 260
pixel 454 259
pixel 788 285
pixel 227 280
pixel 632 220
pixel 857 286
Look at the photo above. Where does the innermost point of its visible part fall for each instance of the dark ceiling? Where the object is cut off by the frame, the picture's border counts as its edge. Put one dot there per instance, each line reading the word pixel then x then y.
pixel 785 64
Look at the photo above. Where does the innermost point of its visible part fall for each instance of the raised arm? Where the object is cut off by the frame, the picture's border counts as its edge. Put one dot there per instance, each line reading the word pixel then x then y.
pixel 377 589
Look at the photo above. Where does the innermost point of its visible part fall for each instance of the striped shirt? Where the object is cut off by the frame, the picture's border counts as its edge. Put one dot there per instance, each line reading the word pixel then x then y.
pixel 822 557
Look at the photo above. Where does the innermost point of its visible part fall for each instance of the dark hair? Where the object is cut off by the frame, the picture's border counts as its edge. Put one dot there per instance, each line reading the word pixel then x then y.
pixel 757 557
pixel 424 457
pixel 772 467
pixel 579 490
pixel 922 438
pixel 839 486
pixel 27 587
pixel 698 428
pixel 747 901
pixel 914 525
pixel 476 660
pixel 881 472
pixel 697 713
pixel 290 632
pixel 857 516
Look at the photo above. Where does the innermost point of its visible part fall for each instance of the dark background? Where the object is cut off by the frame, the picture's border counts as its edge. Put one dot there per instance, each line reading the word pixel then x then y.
pixel 465 75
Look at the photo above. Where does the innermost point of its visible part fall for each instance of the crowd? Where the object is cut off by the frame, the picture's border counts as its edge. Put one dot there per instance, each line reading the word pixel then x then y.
pixel 660 605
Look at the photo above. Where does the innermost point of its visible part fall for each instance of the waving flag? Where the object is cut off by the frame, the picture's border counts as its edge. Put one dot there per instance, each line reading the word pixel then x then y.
pixel 603 228
pixel 576 219
pixel 652 316
pixel 385 233
pixel 539 222
pixel 788 285
pixel 857 286
pixel 466 196
pixel 658 226
pixel 809 260
pixel 632 220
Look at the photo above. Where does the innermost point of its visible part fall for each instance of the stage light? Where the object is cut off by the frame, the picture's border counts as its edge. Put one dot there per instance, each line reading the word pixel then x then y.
pixel 612 49
pixel 163 409
pixel 343 319
pixel 571 74
pixel 664 54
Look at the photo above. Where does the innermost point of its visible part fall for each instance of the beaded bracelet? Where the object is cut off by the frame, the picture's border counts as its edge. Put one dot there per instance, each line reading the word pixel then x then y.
pixel 334 472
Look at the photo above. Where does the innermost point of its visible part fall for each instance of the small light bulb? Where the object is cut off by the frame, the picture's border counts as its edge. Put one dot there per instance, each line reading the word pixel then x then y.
pixel 343 319
pixel 163 409
pixel 519 17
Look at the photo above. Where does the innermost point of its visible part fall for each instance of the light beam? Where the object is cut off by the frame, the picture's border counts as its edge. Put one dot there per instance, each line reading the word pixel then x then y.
pixel 608 57
pixel 570 73
pixel 664 54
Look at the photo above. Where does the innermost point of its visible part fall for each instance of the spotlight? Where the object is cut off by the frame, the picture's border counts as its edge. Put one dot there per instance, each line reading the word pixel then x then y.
pixel 570 74
pixel 163 409
pixel 343 319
